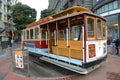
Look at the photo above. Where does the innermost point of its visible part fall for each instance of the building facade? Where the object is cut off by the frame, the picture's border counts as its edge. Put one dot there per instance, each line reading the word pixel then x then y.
pixel 110 9
pixel 6 23
pixel 59 5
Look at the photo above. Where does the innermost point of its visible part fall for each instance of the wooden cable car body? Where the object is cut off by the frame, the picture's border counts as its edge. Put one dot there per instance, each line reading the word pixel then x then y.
pixel 75 41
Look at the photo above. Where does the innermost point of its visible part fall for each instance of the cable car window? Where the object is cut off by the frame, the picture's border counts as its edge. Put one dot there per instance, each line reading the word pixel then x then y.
pixel 104 29
pixel 75 30
pixel 44 34
pixel 90 23
pixel 61 34
pixel 27 34
pixel 36 33
pixel 31 34
pixel 99 32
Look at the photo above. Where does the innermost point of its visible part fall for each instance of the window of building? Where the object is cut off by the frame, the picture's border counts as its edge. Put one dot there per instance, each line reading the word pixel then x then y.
pixel 115 4
pixel 103 8
pixel 106 7
pixel 97 0
pixel 110 6
pixel 100 10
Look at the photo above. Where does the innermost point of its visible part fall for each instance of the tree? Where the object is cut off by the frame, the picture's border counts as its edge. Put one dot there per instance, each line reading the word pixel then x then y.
pixel 22 15
pixel 47 12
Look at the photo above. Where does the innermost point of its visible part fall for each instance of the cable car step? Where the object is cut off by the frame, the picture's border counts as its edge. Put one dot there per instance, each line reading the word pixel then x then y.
pixel 69 66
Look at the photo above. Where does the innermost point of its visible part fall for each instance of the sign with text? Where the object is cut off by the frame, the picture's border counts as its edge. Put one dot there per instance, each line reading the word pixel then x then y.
pixel 19 58
pixel 91 48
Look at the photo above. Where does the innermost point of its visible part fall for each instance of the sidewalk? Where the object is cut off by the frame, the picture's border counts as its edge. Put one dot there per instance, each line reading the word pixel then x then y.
pixel 6 52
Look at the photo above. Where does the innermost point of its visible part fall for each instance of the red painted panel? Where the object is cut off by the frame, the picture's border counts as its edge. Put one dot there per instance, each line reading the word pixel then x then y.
pixel 42 45
pixel 37 44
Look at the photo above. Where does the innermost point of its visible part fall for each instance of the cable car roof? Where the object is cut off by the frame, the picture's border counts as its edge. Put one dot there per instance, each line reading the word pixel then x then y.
pixel 75 14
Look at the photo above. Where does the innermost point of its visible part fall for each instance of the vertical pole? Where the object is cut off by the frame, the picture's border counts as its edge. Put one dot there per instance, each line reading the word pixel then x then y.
pixel 12 54
pixel 85 38
pixel 69 36
pixel 28 65
pixel 33 33
pixel 68 32
pixel 83 42
pixel 29 33
pixel 11 44
pixel 48 38
pixel 57 35
pixel 40 35
pixel 22 38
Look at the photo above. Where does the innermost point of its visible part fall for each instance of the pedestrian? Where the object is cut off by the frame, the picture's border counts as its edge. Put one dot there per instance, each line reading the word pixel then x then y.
pixel 108 41
pixel 117 43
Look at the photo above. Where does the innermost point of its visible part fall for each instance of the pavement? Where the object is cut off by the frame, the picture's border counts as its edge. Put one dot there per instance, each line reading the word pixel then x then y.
pixel 109 69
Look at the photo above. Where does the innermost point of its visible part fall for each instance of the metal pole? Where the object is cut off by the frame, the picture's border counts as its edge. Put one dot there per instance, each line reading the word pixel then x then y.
pixel 28 66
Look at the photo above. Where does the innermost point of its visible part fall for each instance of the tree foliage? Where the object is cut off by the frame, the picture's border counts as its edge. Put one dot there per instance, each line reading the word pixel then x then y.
pixel 47 12
pixel 22 15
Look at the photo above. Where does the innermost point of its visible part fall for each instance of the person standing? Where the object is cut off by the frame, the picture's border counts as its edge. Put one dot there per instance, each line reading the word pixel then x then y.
pixel 117 43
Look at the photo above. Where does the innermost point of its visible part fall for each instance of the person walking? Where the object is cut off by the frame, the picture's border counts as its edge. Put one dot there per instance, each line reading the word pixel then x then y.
pixel 117 43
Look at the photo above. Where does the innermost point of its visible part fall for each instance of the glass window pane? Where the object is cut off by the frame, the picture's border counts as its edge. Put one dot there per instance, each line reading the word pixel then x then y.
pixel 103 9
pixel 106 7
pixel 36 33
pixel 27 34
pixel 104 30
pixel 44 32
pixel 60 34
pixel 97 11
pixel 31 34
pixel 75 31
pixel 98 28
pixel 115 5
pixel 90 23
pixel 110 6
